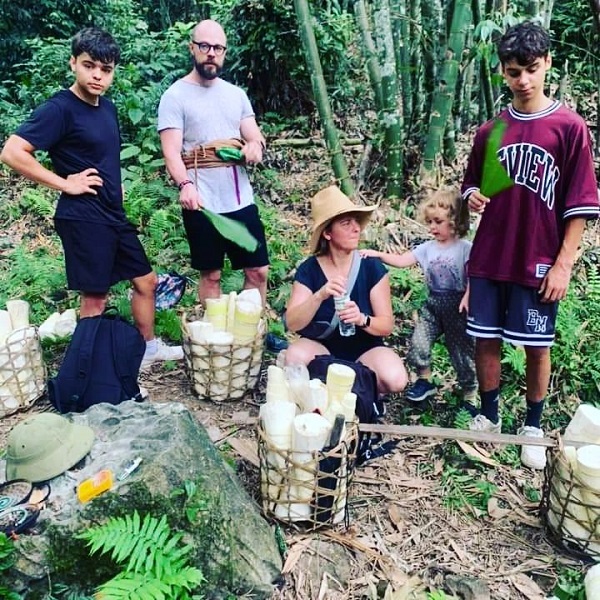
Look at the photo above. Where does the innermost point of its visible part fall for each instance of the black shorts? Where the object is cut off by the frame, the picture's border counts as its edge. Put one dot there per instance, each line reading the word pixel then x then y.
pixel 208 247
pixel 98 255
pixel 510 311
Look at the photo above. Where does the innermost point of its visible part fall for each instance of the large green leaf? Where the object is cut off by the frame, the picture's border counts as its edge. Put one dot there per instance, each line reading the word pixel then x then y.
pixel 232 230
pixel 494 178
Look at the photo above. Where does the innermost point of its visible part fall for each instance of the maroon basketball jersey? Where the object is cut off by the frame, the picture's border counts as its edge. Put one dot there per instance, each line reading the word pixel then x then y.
pixel 548 155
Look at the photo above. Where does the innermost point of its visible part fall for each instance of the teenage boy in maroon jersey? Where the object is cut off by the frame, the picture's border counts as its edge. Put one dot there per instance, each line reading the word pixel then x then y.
pixel 525 245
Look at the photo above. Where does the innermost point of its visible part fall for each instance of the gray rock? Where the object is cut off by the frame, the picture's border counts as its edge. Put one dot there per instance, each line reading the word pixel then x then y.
pixel 181 475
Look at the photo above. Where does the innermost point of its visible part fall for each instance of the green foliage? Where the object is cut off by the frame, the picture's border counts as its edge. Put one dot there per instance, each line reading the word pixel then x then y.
pixel 461 488
pixel 155 564
pixel 570 584
pixel 7 559
pixel 265 55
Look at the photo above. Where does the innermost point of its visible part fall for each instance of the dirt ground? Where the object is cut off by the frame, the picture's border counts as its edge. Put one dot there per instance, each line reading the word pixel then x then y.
pixel 402 540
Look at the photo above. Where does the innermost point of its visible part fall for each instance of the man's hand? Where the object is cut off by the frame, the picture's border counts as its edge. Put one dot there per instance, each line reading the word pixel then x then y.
pixel 189 197
pixel 253 152
pixel 555 283
pixel 477 201
pixel 81 183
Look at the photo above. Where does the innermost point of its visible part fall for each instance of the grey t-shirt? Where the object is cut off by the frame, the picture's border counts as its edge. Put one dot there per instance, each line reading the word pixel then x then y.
pixel 444 265
pixel 205 114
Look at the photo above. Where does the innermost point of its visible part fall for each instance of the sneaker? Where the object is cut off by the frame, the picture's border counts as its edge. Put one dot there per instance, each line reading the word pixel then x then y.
pixel 274 343
pixel 482 423
pixel 420 390
pixel 163 352
pixel 533 457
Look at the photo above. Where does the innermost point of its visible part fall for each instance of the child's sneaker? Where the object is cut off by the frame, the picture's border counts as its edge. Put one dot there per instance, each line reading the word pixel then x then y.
pixel 533 457
pixel 420 390
pixel 482 423
pixel 162 353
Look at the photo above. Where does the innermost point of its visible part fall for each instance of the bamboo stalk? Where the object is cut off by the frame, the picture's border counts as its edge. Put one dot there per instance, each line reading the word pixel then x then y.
pixel 464 435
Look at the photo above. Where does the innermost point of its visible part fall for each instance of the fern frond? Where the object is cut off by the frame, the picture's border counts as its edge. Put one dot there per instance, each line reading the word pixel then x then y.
pixel 133 586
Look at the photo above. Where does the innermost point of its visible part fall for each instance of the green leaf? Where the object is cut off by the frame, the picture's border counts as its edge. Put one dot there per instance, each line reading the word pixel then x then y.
pixel 129 151
pixel 494 178
pixel 232 230
pixel 230 154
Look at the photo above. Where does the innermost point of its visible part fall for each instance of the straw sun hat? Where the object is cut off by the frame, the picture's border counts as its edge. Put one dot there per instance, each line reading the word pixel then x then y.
pixel 45 445
pixel 330 203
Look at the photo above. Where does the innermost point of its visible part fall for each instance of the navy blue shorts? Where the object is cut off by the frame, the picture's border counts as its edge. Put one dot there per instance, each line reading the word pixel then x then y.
pixel 208 247
pixel 498 309
pixel 98 255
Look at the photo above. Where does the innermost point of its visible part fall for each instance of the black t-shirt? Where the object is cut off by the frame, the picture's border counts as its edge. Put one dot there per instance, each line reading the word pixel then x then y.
pixel 78 136
pixel 370 273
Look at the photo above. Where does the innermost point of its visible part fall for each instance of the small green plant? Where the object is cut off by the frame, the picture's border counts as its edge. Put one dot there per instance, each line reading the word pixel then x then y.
pixel 462 488
pixel 155 564
pixel 462 419
pixel 570 585
pixel 7 559
pixel 193 505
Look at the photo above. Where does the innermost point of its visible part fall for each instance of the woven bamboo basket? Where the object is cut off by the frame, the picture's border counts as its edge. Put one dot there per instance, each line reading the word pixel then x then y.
pixel 225 372
pixel 22 371
pixel 308 494
pixel 570 508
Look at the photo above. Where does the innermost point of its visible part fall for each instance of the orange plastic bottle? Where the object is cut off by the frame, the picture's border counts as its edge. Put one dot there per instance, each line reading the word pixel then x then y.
pixel 94 486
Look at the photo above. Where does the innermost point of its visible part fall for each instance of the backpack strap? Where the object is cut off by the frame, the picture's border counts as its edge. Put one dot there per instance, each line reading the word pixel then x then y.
pixel 352 277
pixel 119 341
pixel 86 350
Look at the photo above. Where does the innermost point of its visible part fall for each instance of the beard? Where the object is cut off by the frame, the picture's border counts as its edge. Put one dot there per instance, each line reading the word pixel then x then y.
pixel 208 70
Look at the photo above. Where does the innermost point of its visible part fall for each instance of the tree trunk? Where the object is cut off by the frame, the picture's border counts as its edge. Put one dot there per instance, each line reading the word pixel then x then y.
pixel 317 80
pixel 391 115
pixel 444 95
pixel 402 44
pixel 370 52
pixel 486 108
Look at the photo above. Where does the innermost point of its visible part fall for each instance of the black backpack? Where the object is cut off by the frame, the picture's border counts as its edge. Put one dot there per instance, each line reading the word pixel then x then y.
pixel 101 364
pixel 369 408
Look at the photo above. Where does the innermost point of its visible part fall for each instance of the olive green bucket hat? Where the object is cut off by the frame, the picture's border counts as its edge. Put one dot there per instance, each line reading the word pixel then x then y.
pixel 45 445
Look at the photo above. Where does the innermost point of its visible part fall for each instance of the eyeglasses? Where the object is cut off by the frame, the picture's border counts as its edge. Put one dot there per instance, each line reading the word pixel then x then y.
pixel 205 48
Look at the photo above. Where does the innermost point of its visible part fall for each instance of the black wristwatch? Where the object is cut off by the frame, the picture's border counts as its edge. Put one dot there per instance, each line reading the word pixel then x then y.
pixel 366 323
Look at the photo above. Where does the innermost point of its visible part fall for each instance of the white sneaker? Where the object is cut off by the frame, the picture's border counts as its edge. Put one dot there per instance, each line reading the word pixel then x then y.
pixel 163 352
pixel 482 423
pixel 533 457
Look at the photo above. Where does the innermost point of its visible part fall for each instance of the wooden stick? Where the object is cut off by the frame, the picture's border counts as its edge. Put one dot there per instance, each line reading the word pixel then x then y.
pixel 464 435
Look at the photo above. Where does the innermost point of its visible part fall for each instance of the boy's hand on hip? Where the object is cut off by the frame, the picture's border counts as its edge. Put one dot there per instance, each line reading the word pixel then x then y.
pixel 81 183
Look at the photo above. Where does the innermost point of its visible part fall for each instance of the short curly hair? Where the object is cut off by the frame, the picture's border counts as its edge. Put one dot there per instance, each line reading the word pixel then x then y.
pixel 524 43
pixel 450 200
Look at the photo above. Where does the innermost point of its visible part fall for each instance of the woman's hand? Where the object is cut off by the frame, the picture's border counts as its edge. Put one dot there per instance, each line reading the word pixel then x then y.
pixel 333 287
pixel 351 313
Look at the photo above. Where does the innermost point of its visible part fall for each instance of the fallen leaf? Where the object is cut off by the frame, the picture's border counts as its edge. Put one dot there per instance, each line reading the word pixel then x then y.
pixel 294 554
pixel 395 515
pixel 475 454
pixel 495 511
pixel 527 586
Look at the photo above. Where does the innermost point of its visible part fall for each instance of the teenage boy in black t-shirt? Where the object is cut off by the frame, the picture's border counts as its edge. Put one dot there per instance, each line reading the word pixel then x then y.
pixel 79 129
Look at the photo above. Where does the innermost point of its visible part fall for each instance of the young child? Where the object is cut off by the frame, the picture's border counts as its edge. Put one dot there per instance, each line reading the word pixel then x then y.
pixel 443 262
pixel 79 129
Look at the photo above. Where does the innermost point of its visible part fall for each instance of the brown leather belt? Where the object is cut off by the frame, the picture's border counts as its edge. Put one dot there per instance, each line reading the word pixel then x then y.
pixel 204 156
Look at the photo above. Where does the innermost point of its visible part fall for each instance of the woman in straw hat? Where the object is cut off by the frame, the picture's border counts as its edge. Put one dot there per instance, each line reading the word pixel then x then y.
pixel 337 225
